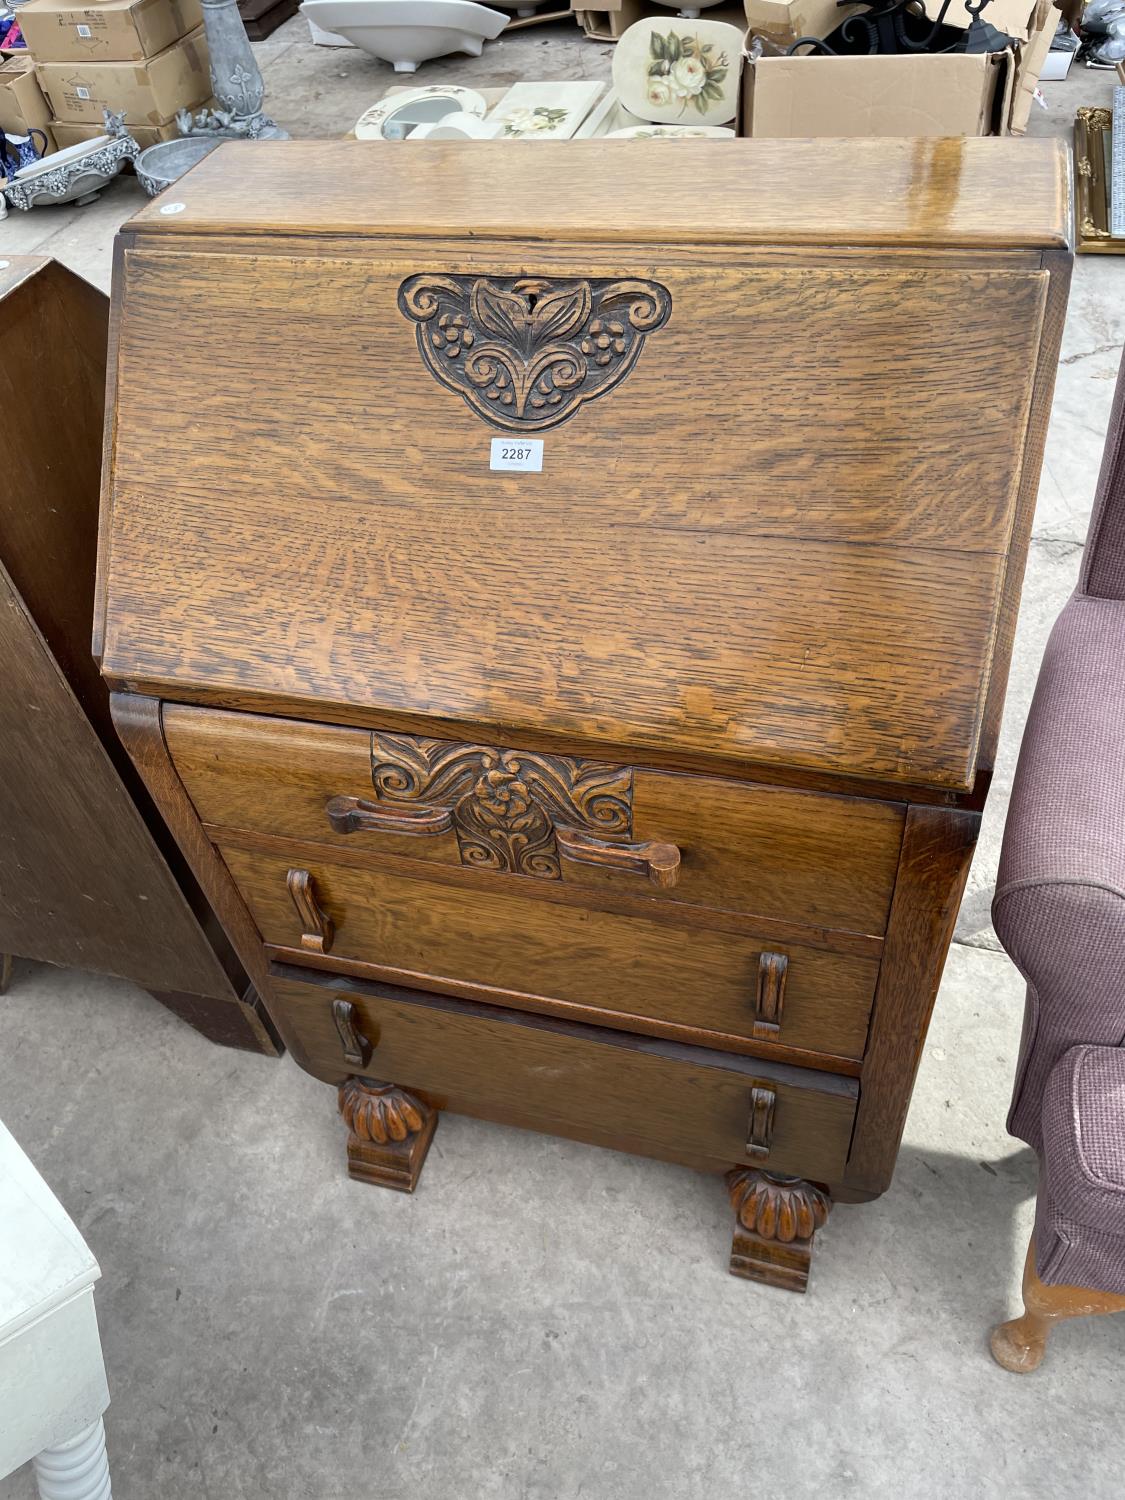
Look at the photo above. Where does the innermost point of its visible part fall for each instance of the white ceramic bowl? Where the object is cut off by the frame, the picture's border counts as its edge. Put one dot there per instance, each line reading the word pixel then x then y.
pixel 393 118
pixel 408 32
pixel 455 127
pixel 692 8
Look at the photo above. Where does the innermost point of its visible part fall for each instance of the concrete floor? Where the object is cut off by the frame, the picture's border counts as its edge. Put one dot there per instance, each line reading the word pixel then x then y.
pixel 545 1321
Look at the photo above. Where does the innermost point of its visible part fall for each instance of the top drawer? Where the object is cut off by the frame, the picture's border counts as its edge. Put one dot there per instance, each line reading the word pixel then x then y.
pixel 798 856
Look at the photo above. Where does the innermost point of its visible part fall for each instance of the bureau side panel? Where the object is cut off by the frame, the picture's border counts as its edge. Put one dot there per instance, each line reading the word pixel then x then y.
pixel 937 849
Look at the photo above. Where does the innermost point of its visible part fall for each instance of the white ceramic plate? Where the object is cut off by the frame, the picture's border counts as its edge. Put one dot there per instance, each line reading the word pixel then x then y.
pixel 392 118
pixel 678 72
pixel 671 132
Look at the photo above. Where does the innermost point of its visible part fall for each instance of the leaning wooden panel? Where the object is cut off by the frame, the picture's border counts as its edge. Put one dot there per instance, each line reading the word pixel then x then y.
pixel 89 876
pixel 628 793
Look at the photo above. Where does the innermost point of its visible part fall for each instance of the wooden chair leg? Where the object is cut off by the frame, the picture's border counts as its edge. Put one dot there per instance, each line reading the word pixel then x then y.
pixel 1019 1345
pixel 5 972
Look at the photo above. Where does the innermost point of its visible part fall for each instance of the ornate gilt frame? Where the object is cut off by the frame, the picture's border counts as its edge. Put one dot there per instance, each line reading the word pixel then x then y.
pixel 1091 126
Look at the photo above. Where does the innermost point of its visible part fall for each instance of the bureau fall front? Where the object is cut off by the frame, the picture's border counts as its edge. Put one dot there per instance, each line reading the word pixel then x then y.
pixel 565 621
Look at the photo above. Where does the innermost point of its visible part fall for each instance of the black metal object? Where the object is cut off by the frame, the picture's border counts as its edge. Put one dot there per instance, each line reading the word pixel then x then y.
pixel 894 27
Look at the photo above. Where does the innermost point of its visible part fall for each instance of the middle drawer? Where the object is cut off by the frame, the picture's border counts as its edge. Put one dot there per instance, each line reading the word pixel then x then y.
pixel 512 950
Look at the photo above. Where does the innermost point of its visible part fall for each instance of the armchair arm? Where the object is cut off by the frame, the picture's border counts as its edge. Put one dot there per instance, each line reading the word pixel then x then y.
pixel 1103 564
pixel 1059 907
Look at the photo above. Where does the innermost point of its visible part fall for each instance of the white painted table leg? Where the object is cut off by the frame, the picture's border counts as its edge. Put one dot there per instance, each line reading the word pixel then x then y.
pixel 75 1470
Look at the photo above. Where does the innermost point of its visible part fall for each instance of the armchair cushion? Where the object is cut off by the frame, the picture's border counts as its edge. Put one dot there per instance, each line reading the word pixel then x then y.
pixel 1080 1218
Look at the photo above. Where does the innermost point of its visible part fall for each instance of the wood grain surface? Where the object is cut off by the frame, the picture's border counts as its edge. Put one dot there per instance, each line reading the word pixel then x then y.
pixel 937 849
pixel 508 943
pixel 632 1092
pixel 870 192
pixel 89 875
pixel 795 612
pixel 755 849
pixel 81 882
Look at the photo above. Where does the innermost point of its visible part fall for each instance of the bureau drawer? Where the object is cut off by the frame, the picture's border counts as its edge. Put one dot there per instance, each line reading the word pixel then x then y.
pixel 804 857
pixel 636 1093
pixel 515 951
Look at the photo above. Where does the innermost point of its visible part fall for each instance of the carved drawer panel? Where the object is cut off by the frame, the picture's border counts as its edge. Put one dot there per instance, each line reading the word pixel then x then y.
pixel 622 970
pixel 821 861
pixel 633 1092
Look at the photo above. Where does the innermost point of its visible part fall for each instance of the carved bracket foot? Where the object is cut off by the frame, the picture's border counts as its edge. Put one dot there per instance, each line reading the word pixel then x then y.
pixel 777 1218
pixel 389 1133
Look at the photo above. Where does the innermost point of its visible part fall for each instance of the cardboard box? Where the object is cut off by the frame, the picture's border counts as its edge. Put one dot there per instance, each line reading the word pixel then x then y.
pixel 149 92
pixel 608 23
pixel 1032 56
pixel 616 16
pixel 68 134
pixel 919 95
pixel 106 31
pixel 22 105
pixel 783 21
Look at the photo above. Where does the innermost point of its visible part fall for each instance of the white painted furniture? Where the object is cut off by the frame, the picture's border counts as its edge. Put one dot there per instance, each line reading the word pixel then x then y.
pixel 52 1379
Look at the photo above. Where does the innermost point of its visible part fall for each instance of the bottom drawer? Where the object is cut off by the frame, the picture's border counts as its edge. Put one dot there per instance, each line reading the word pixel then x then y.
pixel 589 1083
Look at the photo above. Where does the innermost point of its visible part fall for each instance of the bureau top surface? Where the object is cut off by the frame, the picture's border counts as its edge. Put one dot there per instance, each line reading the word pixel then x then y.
pixel 960 191
pixel 777 492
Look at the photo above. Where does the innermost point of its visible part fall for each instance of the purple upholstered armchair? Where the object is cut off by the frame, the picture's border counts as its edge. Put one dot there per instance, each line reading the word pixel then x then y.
pixel 1059 910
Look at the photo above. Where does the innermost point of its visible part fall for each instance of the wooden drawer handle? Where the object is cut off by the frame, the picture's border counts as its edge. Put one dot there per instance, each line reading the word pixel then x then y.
pixel 759 1134
pixel 660 862
pixel 317 930
pixel 772 971
pixel 354 815
pixel 357 1049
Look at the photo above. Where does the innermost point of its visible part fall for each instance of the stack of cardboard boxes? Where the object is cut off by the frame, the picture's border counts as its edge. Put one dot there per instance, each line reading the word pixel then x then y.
pixel 22 105
pixel 908 94
pixel 147 58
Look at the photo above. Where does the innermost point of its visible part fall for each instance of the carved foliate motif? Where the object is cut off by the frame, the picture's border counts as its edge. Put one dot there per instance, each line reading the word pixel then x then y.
pixel 504 804
pixel 526 352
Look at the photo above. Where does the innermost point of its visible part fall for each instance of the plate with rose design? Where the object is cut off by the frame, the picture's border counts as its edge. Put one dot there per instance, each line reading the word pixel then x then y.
pixel 679 72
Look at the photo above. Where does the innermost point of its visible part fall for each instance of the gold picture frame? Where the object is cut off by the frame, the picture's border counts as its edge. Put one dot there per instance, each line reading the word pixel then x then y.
pixel 1093 127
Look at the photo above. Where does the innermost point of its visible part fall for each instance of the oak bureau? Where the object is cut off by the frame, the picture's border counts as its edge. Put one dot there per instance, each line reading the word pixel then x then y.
pixel 561 598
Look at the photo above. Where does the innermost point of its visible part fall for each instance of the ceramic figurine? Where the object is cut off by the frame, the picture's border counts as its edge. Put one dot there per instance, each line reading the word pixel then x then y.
pixel 676 72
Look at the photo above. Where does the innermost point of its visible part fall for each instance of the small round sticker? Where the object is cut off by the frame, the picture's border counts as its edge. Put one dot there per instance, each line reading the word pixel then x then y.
pixel 172 208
